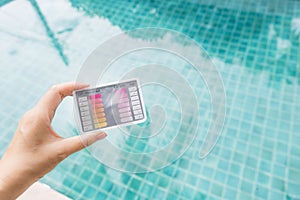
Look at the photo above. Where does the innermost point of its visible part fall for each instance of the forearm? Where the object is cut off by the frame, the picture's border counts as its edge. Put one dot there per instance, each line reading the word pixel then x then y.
pixel 13 180
pixel 5 192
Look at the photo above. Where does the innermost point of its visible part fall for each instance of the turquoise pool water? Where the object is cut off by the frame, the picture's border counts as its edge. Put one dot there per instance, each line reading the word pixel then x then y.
pixel 256 48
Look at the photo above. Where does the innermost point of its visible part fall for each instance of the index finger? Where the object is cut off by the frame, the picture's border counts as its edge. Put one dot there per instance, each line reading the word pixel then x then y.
pixel 50 101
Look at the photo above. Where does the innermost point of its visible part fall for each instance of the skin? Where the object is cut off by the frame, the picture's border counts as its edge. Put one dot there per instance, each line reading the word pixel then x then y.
pixel 36 148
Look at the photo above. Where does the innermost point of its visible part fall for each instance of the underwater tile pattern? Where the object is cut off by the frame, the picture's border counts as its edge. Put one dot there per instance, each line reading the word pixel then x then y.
pixel 256 48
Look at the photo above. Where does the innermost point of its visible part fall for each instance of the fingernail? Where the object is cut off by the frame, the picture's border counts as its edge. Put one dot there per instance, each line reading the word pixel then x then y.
pixel 101 136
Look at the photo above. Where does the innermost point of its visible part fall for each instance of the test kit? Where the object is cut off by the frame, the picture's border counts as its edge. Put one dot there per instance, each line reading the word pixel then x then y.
pixel 109 106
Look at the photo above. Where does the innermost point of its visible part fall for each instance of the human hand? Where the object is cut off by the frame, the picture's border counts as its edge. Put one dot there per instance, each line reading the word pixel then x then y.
pixel 36 148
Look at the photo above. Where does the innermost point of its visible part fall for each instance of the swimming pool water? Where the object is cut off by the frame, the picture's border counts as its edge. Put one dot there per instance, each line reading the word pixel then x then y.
pixel 256 48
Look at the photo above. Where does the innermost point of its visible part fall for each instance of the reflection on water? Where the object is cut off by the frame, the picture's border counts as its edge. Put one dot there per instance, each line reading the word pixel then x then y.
pixel 232 35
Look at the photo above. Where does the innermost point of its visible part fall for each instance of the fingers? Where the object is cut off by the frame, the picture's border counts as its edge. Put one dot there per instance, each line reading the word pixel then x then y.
pixel 50 101
pixel 76 143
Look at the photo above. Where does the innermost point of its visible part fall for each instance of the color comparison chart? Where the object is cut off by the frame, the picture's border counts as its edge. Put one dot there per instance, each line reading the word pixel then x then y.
pixel 109 106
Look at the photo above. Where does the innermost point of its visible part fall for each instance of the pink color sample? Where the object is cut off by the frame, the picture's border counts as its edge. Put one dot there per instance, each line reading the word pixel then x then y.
pixel 95 96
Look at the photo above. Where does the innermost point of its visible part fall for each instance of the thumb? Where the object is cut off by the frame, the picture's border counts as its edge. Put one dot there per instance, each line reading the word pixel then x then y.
pixel 76 143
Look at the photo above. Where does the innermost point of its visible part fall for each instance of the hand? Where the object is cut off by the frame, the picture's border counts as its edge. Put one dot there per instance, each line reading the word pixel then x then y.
pixel 36 148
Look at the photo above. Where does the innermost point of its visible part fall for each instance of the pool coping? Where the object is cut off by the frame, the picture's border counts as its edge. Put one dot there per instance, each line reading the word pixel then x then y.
pixel 39 191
